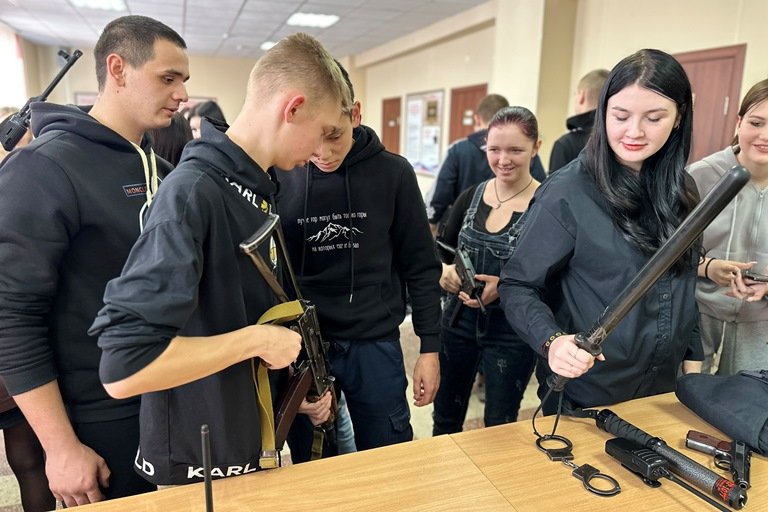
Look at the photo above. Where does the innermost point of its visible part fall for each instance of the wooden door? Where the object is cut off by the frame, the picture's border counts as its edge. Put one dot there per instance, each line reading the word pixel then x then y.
pixel 464 101
pixel 390 131
pixel 715 77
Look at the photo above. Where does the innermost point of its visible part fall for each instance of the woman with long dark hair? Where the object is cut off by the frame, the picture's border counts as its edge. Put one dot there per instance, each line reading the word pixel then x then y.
pixel 592 227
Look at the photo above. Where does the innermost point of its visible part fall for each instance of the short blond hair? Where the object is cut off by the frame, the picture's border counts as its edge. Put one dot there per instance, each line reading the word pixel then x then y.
pixel 592 83
pixel 299 60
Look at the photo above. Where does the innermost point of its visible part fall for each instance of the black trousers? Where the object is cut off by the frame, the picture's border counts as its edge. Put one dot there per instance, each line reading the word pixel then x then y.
pixel 117 442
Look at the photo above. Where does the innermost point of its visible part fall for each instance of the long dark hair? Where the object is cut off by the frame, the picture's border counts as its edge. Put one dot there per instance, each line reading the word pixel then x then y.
pixel 169 142
pixel 647 209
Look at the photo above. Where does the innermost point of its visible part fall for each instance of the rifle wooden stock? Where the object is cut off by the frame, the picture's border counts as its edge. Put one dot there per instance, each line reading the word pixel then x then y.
pixel 298 387
pixel 311 378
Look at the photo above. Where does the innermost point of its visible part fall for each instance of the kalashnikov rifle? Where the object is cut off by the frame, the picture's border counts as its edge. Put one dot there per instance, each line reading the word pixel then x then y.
pixel 469 285
pixel 311 376
pixel 14 127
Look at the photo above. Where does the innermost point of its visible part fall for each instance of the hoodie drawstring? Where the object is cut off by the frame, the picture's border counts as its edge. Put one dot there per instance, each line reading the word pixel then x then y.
pixel 150 178
pixel 304 223
pixel 349 223
pixel 351 236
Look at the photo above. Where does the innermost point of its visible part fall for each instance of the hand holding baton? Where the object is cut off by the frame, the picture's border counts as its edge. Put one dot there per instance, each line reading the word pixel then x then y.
pixel 679 242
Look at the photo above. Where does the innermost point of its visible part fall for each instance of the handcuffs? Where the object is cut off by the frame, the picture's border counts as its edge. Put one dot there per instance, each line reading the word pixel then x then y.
pixel 563 452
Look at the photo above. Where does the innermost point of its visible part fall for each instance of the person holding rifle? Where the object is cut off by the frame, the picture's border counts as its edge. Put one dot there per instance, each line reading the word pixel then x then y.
pixel 180 324
pixel 483 223
pixel 71 205
pixel 594 224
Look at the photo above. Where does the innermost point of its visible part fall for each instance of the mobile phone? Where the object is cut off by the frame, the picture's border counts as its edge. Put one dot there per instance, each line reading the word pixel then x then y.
pixel 759 278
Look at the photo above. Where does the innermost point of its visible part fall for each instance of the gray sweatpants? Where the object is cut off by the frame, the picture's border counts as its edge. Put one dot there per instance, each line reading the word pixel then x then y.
pixel 737 345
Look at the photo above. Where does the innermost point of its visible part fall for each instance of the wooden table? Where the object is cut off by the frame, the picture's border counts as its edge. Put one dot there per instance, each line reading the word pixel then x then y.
pixel 525 476
pixel 493 469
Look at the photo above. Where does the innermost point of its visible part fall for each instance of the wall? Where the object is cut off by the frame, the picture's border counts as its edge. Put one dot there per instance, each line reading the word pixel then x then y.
pixel 555 91
pixel 608 31
pixel 522 48
pixel 224 79
pixel 426 70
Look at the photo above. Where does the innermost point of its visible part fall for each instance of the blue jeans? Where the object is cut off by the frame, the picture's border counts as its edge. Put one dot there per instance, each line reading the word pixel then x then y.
pixel 372 376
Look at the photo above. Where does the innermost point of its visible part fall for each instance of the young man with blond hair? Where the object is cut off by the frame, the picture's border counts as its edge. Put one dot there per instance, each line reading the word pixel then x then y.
pixel 179 324
pixel 568 147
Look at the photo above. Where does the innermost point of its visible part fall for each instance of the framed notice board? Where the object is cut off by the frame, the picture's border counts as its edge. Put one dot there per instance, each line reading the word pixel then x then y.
pixel 423 130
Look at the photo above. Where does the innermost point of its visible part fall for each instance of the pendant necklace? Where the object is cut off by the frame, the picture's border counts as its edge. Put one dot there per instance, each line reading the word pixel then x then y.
pixel 498 199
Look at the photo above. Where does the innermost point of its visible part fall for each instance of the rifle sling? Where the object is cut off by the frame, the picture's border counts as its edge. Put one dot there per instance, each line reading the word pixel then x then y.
pixel 269 457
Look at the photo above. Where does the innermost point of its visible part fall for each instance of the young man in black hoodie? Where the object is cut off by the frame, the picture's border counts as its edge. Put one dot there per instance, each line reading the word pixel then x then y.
pixel 179 324
pixel 568 146
pixel 358 237
pixel 71 204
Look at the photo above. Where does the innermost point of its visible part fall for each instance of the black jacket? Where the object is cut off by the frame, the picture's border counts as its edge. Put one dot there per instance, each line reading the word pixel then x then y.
pixel 358 237
pixel 187 276
pixel 466 164
pixel 70 206
pixel 568 147
pixel 569 264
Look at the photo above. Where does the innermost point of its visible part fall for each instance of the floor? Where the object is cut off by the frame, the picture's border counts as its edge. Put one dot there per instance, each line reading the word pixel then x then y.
pixel 421 419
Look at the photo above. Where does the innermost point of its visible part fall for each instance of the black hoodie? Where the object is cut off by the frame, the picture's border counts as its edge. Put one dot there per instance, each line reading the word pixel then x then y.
pixel 70 206
pixel 567 148
pixel 187 276
pixel 357 238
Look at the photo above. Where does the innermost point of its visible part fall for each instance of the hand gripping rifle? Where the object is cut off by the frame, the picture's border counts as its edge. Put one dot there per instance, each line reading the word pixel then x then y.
pixel 14 127
pixel 469 285
pixel 311 376
pixel 679 242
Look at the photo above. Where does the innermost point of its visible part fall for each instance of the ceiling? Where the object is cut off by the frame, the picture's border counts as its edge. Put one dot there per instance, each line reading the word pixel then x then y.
pixel 234 28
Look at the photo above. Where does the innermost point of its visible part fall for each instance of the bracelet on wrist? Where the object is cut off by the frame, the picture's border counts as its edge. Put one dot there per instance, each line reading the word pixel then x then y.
pixel 545 346
pixel 706 267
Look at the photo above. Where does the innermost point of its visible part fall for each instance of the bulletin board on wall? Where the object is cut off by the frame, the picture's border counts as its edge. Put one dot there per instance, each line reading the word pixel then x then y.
pixel 423 130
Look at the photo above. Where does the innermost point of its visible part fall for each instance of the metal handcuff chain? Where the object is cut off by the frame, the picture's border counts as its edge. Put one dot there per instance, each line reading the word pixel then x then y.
pixel 560 449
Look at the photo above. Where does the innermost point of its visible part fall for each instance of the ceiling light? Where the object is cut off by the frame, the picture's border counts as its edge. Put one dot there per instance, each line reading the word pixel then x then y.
pixel 303 19
pixel 266 45
pixel 107 5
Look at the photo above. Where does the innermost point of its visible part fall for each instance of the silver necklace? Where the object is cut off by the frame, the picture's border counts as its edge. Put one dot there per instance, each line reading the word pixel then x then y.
pixel 498 199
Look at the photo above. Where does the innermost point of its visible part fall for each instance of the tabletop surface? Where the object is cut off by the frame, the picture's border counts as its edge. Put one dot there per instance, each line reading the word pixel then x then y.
pixel 490 469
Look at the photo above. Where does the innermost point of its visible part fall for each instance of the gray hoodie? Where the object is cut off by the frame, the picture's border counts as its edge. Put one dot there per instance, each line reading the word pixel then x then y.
pixel 739 233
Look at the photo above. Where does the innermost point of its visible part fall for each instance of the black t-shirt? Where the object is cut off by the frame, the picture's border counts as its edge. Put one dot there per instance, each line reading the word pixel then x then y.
pixel 450 234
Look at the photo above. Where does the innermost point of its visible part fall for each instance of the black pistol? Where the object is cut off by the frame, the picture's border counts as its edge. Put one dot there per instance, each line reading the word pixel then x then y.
pixel 469 285
pixel 735 456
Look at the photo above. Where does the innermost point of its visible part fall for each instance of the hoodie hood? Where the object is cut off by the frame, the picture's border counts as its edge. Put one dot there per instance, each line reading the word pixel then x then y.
pixel 479 139
pixel 218 157
pixel 581 122
pixel 367 145
pixel 48 117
